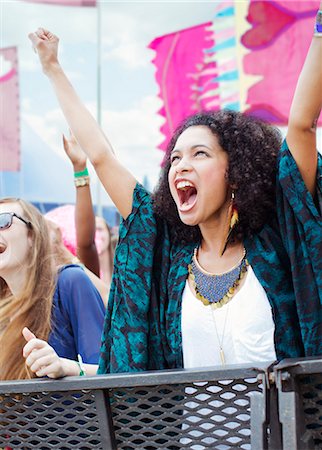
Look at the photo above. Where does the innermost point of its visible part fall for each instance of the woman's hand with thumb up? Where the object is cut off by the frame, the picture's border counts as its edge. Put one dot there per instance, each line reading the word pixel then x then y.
pixel 41 358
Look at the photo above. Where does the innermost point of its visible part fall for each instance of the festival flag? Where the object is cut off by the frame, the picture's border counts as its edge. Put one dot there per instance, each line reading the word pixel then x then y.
pixel 9 111
pixel 247 59
pixel 179 58
pixel 277 41
pixel 221 90
pixel 197 69
pixel 65 2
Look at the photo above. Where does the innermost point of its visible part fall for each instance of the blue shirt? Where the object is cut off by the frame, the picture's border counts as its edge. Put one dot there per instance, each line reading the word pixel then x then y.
pixel 77 316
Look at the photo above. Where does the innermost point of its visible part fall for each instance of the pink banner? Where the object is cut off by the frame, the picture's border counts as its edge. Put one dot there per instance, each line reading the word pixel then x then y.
pixel 9 111
pixel 280 35
pixel 65 2
pixel 179 58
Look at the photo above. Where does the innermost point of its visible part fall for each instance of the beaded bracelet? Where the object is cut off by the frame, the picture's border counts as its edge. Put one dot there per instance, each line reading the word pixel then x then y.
pixel 81 181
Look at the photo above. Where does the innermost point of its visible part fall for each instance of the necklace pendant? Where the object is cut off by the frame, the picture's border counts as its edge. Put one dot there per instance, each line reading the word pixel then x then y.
pixel 222 357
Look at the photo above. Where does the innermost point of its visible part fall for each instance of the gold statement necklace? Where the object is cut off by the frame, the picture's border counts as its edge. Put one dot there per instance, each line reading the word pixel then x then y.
pixel 216 289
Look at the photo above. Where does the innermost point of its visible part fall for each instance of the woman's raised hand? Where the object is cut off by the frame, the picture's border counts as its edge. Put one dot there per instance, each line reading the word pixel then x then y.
pixel 118 182
pixel 45 45
pixel 74 152
pixel 305 111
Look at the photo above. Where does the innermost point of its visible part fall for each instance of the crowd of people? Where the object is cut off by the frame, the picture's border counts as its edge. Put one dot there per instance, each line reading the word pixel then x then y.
pixel 221 264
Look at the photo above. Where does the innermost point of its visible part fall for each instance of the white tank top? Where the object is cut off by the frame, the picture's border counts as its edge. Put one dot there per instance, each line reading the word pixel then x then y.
pixel 243 328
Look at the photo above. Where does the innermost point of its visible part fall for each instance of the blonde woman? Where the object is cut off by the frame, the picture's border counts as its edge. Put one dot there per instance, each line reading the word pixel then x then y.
pixel 62 307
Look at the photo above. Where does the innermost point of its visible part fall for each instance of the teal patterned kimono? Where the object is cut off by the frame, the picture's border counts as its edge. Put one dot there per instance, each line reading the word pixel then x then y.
pixel 142 328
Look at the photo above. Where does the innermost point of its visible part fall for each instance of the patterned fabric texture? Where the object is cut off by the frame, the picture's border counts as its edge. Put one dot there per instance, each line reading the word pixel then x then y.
pixel 142 328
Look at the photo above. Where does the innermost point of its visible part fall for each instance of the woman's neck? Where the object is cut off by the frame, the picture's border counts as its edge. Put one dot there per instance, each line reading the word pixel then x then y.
pixel 214 232
pixel 209 253
pixel 16 280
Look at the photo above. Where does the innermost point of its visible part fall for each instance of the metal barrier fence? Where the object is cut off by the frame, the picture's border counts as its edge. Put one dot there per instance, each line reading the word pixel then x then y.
pixel 218 408
pixel 299 384
pixel 179 409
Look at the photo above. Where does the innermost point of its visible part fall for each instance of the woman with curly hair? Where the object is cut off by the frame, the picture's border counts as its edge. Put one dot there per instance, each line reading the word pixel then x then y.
pixel 222 263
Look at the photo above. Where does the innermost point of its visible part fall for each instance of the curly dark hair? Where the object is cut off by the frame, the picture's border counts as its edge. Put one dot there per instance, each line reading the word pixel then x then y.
pixel 252 147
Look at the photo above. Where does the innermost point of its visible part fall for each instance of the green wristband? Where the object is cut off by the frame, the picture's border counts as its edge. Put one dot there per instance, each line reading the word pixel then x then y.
pixel 83 173
pixel 79 361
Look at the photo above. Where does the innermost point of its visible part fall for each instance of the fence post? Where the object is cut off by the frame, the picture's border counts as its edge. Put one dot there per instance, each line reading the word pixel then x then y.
pixel 105 419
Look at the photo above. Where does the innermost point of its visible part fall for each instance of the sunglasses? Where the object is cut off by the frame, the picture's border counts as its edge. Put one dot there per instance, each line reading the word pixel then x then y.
pixel 6 220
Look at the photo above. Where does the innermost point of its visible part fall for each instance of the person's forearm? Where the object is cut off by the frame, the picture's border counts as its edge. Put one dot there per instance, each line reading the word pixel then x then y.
pixel 304 113
pixel 85 229
pixel 84 217
pixel 71 368
pixel 307 101
pixel 90 369
pixel 85 128
pixel 118 182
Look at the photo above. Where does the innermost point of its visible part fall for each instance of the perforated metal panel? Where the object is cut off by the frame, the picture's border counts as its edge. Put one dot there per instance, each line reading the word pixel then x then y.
pixel 299 383
pixel 194 416
pixel 60 420
pixel 178 409
pixel 311 394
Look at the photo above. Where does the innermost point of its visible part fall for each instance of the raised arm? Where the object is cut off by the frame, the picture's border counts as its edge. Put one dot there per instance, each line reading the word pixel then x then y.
pixel 118 182
pixel 84 214
pixel 305 111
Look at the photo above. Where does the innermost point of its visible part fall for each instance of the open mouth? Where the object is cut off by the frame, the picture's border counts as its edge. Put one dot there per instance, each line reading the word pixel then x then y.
pixel 187 194
pixel 2 247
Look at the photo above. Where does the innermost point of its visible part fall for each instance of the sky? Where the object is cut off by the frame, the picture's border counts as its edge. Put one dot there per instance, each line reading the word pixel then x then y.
pixel 129 93
pixel 128 90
